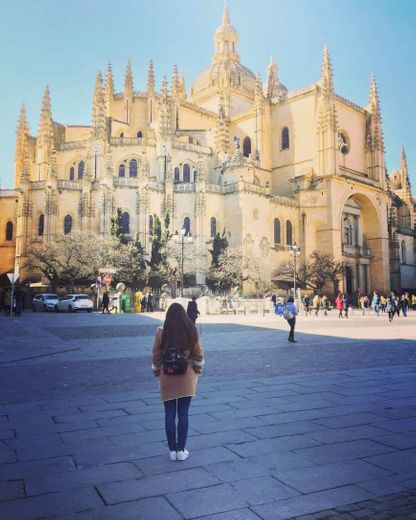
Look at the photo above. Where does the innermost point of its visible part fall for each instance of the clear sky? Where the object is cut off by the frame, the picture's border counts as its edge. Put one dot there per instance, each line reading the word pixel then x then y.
pixel 65 43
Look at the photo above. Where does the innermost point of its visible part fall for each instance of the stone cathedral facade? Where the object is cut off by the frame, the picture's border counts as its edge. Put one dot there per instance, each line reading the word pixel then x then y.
pixel 269 166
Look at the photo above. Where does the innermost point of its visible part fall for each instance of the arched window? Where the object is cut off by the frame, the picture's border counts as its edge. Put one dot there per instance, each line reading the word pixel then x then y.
pixel 121 170
pixel 186 173
pixel 195 175
pixel 121 135
pixel 41 225
pixel 125 223
pixel 71 173
pixel 247 146
pixel 133 168
pixel 150 224
pixel 67 224
pixel 285 138
pixel 277 231
pixel 403 251
pixel 9 230
pixel 347 231
pixel 187 225
pixel 176 175
pixel 213 226
pixel 139 134
pixel 81 169
pixel 289 233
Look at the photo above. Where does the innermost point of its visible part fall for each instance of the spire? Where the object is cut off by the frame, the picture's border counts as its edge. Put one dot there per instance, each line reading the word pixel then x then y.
pixel 99 129
pixel 150 80
pixel 258 93
pixel 109 87
pixel 226 14
pixel 375 111
pixel 45 117
pixel 175 82
pixel 326 73
pixel 404 177
pixel 128 81
pixel 165 110
pixel 22 166
pixel 274 90
pixel 182 85
pixel 222 137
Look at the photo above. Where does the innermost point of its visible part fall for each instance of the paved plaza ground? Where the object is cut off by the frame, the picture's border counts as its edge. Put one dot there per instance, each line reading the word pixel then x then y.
pixel 325 428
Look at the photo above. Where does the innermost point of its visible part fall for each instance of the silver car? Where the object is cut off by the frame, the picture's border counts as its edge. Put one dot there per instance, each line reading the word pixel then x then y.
pixel 44 302
pixel 74 303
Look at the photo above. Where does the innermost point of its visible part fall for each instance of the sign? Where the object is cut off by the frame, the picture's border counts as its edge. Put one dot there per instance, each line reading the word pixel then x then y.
pixel 12 277
pixel 107 279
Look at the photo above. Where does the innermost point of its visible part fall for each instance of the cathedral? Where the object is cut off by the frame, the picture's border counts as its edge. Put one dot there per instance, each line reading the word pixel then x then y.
pixel 271 167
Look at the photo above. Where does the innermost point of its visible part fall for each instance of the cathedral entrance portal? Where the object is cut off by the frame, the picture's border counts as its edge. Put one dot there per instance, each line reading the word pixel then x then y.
pixel 349 280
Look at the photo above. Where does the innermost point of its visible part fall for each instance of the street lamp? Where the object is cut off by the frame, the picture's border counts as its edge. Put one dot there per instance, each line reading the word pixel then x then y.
pixel 180 238
pixel 294 250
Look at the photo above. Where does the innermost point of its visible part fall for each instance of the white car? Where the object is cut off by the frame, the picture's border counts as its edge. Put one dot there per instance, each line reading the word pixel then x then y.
pixel 74 303
pixel 44 302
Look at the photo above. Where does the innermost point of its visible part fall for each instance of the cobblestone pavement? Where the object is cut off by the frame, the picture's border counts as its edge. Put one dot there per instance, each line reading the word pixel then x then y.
pixel 325 428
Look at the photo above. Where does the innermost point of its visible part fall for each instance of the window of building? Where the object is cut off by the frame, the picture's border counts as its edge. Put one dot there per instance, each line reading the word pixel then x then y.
pixel 9 230
pixel 139 134
pixel 348 232
pixel 81 169
pixel 121 135
pixel 67 224
pixel 133 168
pixel 71 173
pixel 213 226
pixel 176 175
pixel 343 142
pixel 41 225
pixel 121 170
pixel 277 231
pixel 289 233
pixel 195 175
pixel 125 223
pixel 150 224
pixel 403 251
pixel 285 138
pixel 247 146
pixel 186 173
pixel 187 225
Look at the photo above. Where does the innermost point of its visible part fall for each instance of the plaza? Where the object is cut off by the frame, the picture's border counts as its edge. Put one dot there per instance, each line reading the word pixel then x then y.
pixel 325 428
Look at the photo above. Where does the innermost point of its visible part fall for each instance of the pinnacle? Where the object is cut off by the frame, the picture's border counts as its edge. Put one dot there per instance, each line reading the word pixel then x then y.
pixel 226 14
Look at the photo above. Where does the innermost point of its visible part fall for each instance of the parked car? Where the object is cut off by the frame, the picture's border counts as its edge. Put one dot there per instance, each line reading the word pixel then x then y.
pixel 74 303
pixel 44 302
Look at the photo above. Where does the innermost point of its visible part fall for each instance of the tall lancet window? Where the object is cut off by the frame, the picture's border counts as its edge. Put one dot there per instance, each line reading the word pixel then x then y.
pixel 186 173
pixel 81 169
pixel 133 168
pixel 285 138
pixel 247 147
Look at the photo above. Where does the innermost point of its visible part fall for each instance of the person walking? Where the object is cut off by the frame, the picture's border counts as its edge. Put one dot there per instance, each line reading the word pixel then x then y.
pixel 289 314
pixel 383 303
pixel 345 305
pixel 315 304
pixel 414 302
pixel 307 305
pixel 149 302
pixel 192 310
pixel 339 305
pixel 404 300
pixel 179 337
pixel 375 303
pixel 324 304
pixel 391 307
pixel 366 306
pixel 106 302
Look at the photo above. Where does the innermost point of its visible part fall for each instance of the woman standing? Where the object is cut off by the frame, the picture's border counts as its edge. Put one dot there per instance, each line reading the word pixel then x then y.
pixel 290 313
pixel 178 335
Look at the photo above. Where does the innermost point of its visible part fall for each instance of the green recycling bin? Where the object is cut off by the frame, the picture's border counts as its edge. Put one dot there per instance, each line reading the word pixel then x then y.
pixel 125 303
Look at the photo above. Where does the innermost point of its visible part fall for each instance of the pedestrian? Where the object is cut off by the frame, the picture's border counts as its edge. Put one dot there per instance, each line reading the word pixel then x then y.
pixel 180 337
pixel 366 306
pixel 391 307
pixel 114 303
pixel 143 302
pixel 339 305
pixel 345 305
pixel 315 304
pixel 149 302
pixel 20 299
pixel 307 305
pixel 289 314
pixel 192 310
pixel 414 301
pixel 324 305
pixel 375 303
pixel 106 302
pixel 383 303
pixel 404 300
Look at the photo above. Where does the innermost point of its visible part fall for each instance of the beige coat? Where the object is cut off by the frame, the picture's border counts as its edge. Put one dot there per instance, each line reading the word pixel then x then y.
pixel 183 385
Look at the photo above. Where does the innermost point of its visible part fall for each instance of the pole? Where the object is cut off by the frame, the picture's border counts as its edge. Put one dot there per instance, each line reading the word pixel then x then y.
pixel 182 251
pixel 12 298
pixel 294 274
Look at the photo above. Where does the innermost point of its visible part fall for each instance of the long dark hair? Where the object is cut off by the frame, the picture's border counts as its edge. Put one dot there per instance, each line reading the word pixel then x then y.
pixel 178 329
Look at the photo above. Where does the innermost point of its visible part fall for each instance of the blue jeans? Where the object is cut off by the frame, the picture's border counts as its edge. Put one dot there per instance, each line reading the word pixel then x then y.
pixel 178 407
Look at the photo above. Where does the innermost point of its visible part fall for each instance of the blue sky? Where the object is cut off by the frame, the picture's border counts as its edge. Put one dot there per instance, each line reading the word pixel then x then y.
pixel 64 44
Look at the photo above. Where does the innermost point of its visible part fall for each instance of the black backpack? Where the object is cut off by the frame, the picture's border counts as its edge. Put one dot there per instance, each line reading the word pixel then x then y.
pixel 174 361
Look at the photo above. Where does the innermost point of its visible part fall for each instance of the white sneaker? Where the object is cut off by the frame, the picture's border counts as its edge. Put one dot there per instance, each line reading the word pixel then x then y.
pixel 182 455
pixel 172 455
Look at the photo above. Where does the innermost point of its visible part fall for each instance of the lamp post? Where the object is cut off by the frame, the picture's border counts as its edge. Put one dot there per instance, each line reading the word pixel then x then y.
pixel 180 238
pixel 294 250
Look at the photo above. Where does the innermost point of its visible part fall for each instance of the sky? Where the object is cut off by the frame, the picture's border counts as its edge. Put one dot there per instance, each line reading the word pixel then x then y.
pixel 64 44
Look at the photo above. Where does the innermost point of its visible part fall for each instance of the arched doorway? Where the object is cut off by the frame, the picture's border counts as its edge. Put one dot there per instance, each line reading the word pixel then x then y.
pixel 364 248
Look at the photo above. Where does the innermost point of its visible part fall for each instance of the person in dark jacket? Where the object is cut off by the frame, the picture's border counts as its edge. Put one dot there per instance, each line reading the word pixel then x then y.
pixel 106 301
pixel 192 310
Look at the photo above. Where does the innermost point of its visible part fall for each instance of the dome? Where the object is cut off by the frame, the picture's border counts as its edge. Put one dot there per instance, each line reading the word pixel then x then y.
pixel 225 73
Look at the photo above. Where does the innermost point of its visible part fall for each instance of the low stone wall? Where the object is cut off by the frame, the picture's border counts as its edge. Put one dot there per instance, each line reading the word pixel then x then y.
pixel 211 305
